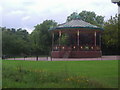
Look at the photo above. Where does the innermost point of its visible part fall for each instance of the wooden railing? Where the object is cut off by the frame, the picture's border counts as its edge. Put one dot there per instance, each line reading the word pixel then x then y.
pixel 76 48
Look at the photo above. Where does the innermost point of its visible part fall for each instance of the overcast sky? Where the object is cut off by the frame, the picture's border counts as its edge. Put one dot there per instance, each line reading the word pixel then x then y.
pixel 27 13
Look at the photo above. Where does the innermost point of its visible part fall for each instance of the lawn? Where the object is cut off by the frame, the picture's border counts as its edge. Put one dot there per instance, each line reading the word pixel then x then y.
pixel 58 74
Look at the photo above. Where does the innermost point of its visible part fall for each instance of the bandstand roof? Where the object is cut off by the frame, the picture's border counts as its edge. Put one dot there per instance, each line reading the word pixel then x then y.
pixel 75 23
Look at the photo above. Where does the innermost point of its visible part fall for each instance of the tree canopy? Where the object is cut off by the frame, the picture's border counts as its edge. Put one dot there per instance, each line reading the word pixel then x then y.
pixel 15 42
pixel 110 35
pixel 41 37
pixel 89 17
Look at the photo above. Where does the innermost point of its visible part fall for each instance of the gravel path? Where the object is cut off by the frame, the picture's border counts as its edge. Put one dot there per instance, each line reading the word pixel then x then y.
pixel 66 59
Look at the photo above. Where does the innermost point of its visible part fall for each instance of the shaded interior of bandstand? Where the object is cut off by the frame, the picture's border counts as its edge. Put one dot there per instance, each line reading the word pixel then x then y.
pixel 76 43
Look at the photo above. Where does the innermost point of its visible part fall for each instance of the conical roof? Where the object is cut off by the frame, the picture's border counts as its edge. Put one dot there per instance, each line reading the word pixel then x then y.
pixel 76 23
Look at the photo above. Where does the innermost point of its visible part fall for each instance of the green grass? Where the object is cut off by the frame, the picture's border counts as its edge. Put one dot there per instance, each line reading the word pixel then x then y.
pixel 70 74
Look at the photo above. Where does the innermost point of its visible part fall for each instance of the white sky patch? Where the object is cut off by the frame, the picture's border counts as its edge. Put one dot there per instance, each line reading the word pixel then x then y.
pixel 0 8
pixel 28 13
pixel 25 18
pixel 0 16
pixel 28 29
pixel 16 12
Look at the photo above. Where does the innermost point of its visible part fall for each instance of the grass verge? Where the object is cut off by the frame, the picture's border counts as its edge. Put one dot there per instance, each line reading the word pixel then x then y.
pixel 60 74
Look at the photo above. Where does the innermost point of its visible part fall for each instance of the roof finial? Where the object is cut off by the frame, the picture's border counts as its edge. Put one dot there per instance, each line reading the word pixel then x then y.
pixel 76 11
pixel 75 16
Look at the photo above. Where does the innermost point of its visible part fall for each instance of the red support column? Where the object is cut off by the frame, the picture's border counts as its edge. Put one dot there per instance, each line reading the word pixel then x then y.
pixel 95 38
pixel 100 40
pixel 59 37
pixel 78 38
pixel 52 40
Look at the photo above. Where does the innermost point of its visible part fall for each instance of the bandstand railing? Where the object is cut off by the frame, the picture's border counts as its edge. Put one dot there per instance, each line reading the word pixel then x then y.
pixel 76 48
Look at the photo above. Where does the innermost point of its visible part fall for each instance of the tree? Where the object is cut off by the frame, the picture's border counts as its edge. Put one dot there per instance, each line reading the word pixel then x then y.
pixel 20 42
pixel 41 37
pixel 89 17
pixel 74 15
pixel 15 42
pixel 110 35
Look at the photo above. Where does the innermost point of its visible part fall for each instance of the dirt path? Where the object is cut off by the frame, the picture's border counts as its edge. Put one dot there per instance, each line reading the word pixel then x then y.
pixel 66 59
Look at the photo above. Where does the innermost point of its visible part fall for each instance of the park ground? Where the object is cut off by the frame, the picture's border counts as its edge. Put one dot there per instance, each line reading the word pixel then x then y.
pixel 60 74
pixel 45 58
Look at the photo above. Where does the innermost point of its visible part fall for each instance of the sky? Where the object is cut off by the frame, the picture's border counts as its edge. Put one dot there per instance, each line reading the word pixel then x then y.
pixel 28 13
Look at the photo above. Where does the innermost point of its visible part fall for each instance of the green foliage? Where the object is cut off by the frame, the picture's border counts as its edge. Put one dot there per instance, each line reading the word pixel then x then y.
pixel 20 42
pixel 73 16
pixel 64 39
pixel 87 16
pixel 60 74
pixel 15 42
pixel 110 34
pixel 41 37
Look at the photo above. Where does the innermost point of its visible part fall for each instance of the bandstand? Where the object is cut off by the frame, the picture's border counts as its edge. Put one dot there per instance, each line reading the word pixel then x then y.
pixel 76 39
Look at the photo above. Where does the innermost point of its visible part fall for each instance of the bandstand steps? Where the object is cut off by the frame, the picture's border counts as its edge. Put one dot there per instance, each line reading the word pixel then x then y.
pixel 66 55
